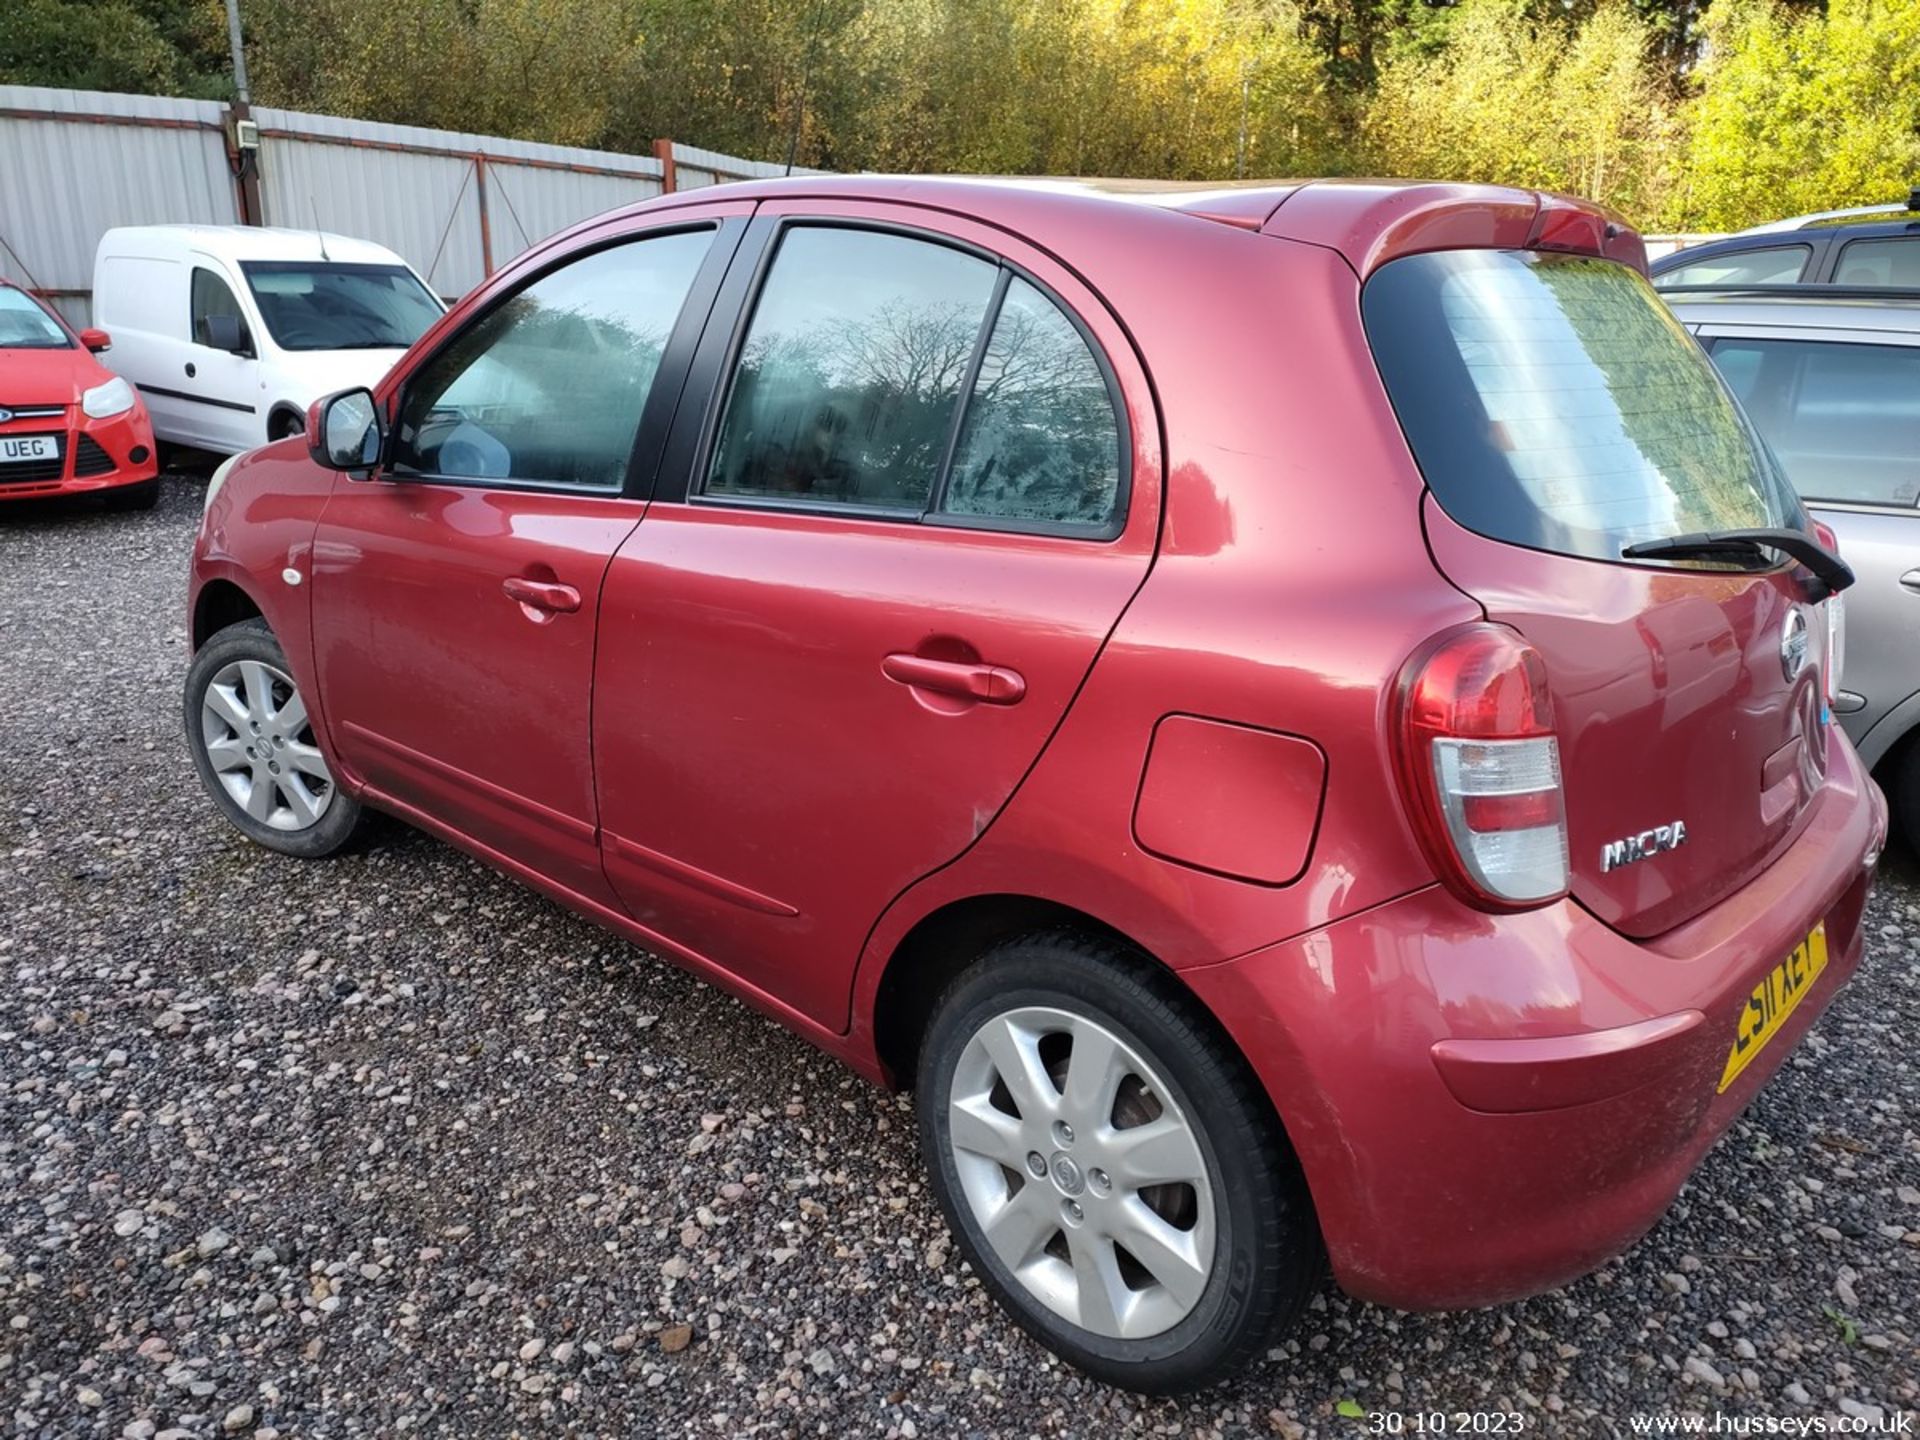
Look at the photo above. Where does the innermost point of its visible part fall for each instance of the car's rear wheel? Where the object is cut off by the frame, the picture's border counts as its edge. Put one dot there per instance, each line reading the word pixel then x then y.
pixel 285 423
pixel 254 746
pixel 133 497
pixel 1110 1165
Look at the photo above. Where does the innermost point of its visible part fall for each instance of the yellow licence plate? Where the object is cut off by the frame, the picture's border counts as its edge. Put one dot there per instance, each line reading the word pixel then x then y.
pixel 1773 1000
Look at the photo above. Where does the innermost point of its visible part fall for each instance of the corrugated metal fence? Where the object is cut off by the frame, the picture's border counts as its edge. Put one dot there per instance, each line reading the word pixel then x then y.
pixel 75 163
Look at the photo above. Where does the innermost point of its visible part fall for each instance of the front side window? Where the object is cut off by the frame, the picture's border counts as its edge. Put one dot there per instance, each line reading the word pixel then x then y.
pixel 1887 264
pixel 1554 402
pixel 213 296
pixel 1039 441
pixel 307 306
pixel 850 375
pixel 1844 419
pixel 1777 265
pixel 547 386
pixel 25 326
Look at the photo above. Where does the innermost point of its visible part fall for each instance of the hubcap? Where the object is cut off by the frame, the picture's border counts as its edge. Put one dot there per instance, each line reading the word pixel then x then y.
pixel 1083 1172
pixel 254 728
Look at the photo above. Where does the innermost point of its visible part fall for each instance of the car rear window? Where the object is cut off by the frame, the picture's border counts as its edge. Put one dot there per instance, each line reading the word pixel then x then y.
pixel 1553 401
pixel 1843 418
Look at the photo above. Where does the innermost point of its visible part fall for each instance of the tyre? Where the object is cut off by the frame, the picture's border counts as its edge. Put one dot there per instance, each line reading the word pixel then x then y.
pixel 255 749
pixel 1110 1165
pixel 133 497
pixel 1903 795
pixel 285 423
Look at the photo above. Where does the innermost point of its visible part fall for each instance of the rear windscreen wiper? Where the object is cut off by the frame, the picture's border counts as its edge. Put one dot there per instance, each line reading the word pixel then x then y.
pixel 1830 573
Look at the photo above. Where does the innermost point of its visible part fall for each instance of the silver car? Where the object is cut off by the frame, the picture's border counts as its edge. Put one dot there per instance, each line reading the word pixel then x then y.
pixel 1832 379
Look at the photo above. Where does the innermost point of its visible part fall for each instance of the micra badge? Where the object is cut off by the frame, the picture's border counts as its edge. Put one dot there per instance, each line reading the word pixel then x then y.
pixel 1644 846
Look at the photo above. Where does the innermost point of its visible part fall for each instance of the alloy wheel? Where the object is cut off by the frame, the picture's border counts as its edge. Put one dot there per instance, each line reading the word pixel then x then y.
pixel 254 727
pixel 1083 1172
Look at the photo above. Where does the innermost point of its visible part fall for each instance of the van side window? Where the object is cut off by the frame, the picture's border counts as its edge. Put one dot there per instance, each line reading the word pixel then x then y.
pixel 547 387
pixel 846 387
pixel 1039 441
pixel 213 296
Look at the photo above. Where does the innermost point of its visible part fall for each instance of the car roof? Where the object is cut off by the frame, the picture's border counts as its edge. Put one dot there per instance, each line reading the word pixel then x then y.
pixel 1368 221
pixel 248 242
pixel 1809 308
pixel 1830 219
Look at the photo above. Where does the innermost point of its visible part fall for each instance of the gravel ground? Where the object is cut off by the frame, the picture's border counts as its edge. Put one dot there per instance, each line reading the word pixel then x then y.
pixel 390 1145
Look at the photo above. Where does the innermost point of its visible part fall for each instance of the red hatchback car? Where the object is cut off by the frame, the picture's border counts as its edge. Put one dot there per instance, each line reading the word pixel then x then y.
pixel 68 425
pixel 1295 716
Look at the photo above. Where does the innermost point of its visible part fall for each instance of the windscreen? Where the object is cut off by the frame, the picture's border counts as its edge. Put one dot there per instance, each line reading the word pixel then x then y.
pixel 1553 401
pixel 315 306
pixel 25 326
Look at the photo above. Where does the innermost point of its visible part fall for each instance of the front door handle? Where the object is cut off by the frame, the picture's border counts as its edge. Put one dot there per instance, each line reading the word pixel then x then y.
pixel 1912 581
pixel 548 596
pixel 967 679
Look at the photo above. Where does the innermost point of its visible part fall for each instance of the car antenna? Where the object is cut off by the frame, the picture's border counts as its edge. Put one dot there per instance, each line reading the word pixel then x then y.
pixel 318 233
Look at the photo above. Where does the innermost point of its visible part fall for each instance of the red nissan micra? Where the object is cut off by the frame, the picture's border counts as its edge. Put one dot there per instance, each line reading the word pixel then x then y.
pixel 1295 716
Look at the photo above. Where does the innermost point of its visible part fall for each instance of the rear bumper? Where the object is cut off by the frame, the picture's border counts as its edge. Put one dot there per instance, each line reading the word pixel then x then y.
pixel 94 454
pixel 1490 1106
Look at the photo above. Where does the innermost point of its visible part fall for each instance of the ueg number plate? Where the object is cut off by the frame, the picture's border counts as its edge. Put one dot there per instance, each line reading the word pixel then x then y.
pixel 1773 1000
pixel 29 447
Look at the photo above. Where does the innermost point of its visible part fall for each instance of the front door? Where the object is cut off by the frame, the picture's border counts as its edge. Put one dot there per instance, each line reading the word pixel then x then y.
pixel 220 388
pixel 456 596
pixel 898 537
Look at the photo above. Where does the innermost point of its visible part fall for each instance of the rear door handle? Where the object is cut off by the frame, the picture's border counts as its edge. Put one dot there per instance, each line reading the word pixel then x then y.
pixel 970 680
pixel 1912 581
pixel 547 595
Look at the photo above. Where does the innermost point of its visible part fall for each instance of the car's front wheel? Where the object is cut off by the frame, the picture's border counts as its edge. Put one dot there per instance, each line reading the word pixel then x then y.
pixel 1110 1165
pixel 253 744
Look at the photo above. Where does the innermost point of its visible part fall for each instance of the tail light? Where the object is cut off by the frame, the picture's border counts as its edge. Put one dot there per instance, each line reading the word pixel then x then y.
pixel 1835 606
pixel 1481 767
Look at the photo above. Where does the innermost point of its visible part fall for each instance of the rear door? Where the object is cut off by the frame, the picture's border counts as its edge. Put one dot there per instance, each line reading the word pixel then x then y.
pixel 911 493
pixel 1559 414
pixel 1841 408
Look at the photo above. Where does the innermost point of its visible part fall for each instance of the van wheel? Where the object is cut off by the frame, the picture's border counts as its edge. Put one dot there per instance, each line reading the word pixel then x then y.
pixel 133 497
pixel 284 424
pixel 1110 1165
pixel 255 748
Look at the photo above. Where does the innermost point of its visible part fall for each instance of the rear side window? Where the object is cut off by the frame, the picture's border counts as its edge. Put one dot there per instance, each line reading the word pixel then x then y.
pixel 546 388
pixel 1844 419
pixel 848 382
pixel 213 296
pixel 1039 441
pixel 1893 263
pixel 1553 401
pixel 906 378
pixel 1776 265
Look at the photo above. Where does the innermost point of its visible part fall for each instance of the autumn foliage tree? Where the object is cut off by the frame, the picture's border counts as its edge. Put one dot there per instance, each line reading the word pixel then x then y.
pixel 1681 113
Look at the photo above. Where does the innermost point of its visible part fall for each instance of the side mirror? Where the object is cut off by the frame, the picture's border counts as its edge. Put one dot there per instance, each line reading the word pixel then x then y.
pixel 225 332
pixel 96 340
pixel 345 431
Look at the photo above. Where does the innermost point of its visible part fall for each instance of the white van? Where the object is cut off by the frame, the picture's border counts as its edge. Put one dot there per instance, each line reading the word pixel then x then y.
pixel 231 331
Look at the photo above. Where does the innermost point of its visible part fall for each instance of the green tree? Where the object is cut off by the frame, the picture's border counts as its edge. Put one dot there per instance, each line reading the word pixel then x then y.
pixel 1577 107
pixel 167 47
pixel 1799 112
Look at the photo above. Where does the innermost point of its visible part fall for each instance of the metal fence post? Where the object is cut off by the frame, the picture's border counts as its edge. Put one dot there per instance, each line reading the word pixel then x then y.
pixel 669 179
pixel 486 230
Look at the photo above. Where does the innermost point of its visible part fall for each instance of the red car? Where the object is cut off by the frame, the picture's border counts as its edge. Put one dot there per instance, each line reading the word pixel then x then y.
pixel 68 425
pixel 1296 717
